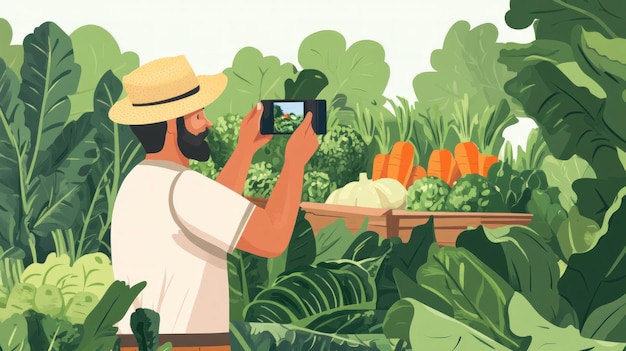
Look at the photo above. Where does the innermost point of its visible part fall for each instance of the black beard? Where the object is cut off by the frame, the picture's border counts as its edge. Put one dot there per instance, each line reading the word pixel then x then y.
pixel 192 146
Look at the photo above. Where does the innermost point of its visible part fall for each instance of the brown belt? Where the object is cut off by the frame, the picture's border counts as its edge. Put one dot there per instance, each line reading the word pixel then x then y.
pixel 184 342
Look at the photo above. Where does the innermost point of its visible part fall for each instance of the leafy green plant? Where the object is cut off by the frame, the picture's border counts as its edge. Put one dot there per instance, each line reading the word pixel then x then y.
pixel 317 186
pixel 563 173
pixel 14 334
pixel 342 155
pixel 357 74
pixel 530 158
pixel 261 180
pixel 58 288
pixel 466 64
pixel 13 55
pixel 263 336
pixel 145 326
pixel 571 80
pixel 96 51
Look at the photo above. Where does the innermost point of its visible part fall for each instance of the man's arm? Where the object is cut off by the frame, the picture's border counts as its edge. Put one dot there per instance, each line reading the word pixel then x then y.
pixel 269 230
pixel 235 171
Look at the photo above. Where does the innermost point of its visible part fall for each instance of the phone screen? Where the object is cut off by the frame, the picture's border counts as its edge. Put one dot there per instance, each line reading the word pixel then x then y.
pixel 288 115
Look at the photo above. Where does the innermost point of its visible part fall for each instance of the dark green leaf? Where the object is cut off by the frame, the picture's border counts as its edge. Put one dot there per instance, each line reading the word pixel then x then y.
pixel 308 85
pixel 520 257
pixel 476 293
pixel 99 333
pixel 597 278
pixel 247 277
pixel 556 19
pixel 145 326
pixel 49 75
pixel 596 195
pixel 333 241
pixel 48 333
pixel 14 334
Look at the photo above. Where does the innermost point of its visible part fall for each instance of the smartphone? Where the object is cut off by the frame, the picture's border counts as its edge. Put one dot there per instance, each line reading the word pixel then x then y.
pixel 284 116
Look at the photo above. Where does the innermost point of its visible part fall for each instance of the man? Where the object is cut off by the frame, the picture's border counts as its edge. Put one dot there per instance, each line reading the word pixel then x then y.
pixel 172 226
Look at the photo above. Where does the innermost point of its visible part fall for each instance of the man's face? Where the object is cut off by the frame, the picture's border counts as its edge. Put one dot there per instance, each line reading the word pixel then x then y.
pixel 192 130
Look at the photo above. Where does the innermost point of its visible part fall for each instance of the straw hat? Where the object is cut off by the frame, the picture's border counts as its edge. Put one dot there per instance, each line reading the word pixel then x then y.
pixel 164 89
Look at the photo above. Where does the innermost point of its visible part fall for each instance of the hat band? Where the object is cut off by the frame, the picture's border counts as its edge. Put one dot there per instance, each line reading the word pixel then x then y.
pixel 175 98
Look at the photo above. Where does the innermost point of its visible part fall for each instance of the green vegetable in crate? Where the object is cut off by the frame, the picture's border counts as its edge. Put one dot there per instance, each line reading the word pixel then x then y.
pixel 427 194
pixel 474 193
pixel 317 186
pixel 380 193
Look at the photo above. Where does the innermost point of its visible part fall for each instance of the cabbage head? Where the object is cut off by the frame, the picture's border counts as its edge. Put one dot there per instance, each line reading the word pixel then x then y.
pixel 474 193
pixel 427 194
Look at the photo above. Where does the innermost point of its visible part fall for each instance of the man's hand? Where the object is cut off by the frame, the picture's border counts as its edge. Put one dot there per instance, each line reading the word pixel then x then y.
pixel 302 144
pixel 250 137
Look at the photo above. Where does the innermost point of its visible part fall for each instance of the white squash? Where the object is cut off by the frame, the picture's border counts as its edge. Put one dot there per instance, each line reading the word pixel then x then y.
pixel 380 193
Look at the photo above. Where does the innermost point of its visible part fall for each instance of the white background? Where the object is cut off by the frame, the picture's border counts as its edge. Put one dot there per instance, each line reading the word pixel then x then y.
pixel 210 33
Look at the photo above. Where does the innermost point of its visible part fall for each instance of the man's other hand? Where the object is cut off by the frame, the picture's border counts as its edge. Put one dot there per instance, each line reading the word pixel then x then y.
pixel 302 144
pixel 250 137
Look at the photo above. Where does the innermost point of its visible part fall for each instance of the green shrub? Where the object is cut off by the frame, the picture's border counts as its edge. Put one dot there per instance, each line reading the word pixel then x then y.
pixel 342 155
pixel 317 186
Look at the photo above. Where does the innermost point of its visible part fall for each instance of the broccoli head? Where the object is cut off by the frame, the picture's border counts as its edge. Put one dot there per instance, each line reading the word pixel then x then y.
pixel 342 154
pixel 474 193
pixel 427 194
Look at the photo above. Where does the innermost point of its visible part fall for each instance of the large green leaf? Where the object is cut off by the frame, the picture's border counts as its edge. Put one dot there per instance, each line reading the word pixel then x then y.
pixel 563 173
pixel 13 55
pixel 598 277
pixel 545 336
pixel 333 295
pixel 556 18
pixel 118 152
pixel 49 75
pixel 252 78
pixel 14 334
pixel 466 64
pixel 99 333
pixel 477 294
pixel 520 256
pixel 97 52
pixel 247 277
pixel 356 74
pixel 428 329
pixel 577 234
pixel 299 253
pixel 308 85
pixel 14 141
pixel 334 240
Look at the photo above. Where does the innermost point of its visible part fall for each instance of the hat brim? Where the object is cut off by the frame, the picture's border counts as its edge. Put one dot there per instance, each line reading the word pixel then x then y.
pixel 211 87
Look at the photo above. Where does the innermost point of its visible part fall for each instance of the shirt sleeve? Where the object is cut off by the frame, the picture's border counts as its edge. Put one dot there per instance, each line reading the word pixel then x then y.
pixel 209 210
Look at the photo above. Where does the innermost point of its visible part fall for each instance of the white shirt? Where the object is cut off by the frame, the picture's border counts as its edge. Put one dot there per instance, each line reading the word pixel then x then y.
pixel 172 228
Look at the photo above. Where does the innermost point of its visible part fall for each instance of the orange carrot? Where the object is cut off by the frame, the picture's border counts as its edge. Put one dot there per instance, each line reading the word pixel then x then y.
pixel 485 162
pixel 401 161
pixel 466 156
pixel 443 165
pixel 418 172
pixel 379 169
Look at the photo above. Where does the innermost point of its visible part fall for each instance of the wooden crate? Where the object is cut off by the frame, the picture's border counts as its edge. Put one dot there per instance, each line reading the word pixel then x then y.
pixel 391 223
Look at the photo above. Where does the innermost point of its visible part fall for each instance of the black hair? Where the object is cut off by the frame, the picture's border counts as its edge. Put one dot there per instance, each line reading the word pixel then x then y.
pixel 151 136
